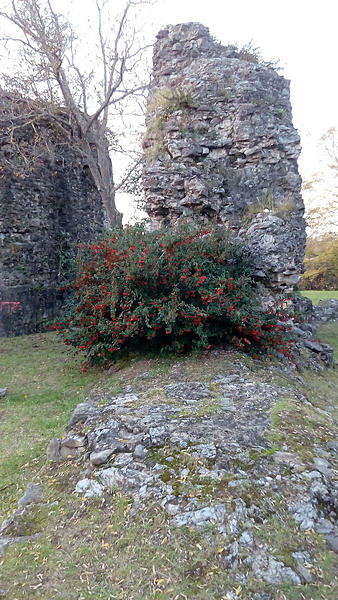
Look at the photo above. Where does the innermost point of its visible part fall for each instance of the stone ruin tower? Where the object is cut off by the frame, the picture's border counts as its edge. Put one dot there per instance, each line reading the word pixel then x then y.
pixel 48 204
pixel 220 146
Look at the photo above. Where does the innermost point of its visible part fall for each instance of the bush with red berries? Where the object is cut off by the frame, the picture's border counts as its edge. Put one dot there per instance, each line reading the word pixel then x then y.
pixel 168 289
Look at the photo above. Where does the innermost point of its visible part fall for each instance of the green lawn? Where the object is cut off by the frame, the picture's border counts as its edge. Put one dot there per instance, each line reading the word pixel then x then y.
pixel 316 295
pixel 44 385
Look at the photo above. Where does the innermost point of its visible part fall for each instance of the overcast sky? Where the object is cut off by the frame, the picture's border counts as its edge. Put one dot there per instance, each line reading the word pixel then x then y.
pixel 301 34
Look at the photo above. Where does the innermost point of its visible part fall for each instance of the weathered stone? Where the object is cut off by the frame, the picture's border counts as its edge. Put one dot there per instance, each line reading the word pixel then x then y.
pixel 189 391
pixel 45 210
pixel 305 514
pixel 99 458
pixel 123 459
pixel 127 479
pixel 205 451
pixel 332 540
pixel 230 555
pixel 326 310
pixel 201 516
pixel 302 559
pixel 324 526
pixel 289 459
pixel 3 392
pixel 272 571
pixel 220 145
pixel 89 488
pixel 82 412
pixel 66 452
pixel 33 493
pixel 140 451
pixel 333 446
pixel 53 449
pixel 73 441
pixel 246 539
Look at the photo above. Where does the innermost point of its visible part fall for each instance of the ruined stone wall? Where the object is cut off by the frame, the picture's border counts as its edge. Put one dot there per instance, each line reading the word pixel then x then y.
pixel 48 204
pixel 220 145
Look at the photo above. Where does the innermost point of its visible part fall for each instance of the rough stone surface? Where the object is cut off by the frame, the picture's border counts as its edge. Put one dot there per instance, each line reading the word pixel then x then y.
pixel 45 211
pixel 89 488
pixel 220 145
pixel 32 494
pixel 326 310
pixel 272 571
pixel 53 449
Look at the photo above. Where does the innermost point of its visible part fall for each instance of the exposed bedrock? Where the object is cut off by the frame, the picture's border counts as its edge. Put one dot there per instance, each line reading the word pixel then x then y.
pixel 220 146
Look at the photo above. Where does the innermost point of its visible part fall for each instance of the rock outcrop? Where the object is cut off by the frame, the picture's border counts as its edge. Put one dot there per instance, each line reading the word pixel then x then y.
pixel 220 146
pixel 48 204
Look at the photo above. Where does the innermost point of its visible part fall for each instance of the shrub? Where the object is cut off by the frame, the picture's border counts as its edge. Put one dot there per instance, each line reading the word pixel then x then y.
pixel 173 290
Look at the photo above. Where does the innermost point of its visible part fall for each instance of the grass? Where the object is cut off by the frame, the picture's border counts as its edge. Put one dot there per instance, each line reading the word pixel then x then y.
pixel 269 205
pixel 44 385
pixel 317 295
pixel 94 548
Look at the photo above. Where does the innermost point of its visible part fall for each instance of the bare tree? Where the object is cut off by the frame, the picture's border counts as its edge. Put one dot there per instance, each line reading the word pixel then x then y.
pixel 330 139
pixel 80 101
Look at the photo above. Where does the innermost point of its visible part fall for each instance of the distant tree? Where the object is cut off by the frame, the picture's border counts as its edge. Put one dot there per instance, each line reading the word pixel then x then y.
pixel 321 264
pixel 321 190
pixel 80 99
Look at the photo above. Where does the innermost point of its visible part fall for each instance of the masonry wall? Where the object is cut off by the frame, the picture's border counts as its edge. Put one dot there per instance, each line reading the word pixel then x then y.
pixel 48 204
pixel 220 145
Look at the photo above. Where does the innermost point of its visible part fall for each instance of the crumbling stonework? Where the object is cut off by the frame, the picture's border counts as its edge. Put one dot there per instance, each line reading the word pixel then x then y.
pixel 220 145
pixel 48 204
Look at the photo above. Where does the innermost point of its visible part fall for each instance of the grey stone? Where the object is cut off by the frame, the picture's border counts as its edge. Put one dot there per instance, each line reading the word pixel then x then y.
pixel 323 466
pixel 89 488
pixel 326 310
pixel 127 479
pixel 311 475
pixel 82 412
pixel 123 459
pixel 190 391
pixel 33 494
pixel 141 452
pixel 201 516
pixel 230 555
pixel 266 567
pixel 205 451
pixel 73 441
pixel 158 436
pixel 99 458
pixel 332 540
pixel 246 539
pixel 53 449
pixel 3 392
pixel 289 459
pixel 324 526
pixel 302 559
pixel 332 446
pixel 305 514
pixel 66 452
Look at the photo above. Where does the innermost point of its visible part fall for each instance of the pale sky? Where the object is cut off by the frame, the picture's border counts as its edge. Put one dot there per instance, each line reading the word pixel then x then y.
pixel 301 34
